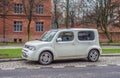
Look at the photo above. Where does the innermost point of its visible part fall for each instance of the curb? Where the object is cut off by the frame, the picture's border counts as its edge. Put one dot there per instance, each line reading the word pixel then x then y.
pixel 11 59
pixel 110 55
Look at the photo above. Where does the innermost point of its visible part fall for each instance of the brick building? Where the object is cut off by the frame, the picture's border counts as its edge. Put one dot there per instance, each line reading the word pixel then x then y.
pixel 13 21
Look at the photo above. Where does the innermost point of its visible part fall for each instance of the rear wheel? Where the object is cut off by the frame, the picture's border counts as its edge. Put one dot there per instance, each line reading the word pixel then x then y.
pixel 45 58
pixel 93 55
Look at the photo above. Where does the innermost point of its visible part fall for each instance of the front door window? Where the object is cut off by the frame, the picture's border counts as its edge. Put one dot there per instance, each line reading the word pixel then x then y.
pixel 66 36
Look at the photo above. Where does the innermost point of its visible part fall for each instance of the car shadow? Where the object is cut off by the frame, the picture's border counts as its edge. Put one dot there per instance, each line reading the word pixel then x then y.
pixel 57 62
pixel 69 61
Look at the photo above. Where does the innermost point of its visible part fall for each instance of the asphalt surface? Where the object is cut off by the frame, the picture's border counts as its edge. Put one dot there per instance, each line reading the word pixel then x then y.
pixel 68 72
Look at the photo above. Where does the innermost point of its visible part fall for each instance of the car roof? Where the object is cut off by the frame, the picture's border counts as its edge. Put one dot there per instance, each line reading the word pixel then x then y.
pixel 74 29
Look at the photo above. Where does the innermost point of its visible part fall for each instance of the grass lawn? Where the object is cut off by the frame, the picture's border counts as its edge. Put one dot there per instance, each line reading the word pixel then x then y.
pixel 106 51
pixel 111 43
pixel 16 53
pixel 10 53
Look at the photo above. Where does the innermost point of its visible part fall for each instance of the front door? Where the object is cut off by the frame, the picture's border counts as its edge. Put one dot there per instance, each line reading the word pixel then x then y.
pixel 65 44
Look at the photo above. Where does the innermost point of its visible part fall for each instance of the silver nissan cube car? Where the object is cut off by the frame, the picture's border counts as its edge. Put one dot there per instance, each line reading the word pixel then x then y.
pixel 63 44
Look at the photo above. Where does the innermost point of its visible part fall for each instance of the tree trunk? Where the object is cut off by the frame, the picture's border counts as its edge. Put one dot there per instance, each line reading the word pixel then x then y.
pixel 4 28
pixel 67 14
pixel 107 33
pixel 57 25
pixel 55 12
pixel 28 30
pixel 72 22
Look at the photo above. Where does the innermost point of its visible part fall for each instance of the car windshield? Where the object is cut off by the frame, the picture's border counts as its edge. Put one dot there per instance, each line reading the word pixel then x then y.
pixel 48 36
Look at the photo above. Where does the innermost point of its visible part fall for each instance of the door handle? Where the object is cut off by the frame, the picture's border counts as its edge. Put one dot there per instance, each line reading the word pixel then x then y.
pixel 74 43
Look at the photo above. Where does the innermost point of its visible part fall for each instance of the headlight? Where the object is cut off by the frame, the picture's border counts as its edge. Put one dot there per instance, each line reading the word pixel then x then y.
pixel 32 48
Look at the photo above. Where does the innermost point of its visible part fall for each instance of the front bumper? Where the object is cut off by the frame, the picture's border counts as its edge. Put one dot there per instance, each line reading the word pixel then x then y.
pixel 28 55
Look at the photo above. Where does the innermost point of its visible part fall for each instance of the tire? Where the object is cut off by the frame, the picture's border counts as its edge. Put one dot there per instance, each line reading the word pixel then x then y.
pixel 45 58
pixel 93 55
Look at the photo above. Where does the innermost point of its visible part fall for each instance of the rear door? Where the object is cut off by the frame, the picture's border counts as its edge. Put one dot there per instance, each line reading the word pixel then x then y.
pixel 86 39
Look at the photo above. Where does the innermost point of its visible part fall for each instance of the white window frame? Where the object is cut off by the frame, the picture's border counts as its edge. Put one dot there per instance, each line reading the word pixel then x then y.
pixel 39 26
pixel 18 8
pixel 17 26
pixel 39 9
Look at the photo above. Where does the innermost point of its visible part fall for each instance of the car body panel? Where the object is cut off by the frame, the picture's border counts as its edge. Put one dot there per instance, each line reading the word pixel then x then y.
pixel 64 49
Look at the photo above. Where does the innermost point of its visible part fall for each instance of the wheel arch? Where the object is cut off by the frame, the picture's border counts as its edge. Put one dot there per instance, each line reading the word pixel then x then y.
pixel 47 51
pixel 94 49
pixel 98 48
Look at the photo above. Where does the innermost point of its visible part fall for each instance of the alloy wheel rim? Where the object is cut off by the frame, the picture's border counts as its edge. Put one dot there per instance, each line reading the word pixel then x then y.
pixel 94 55
pixel 45 58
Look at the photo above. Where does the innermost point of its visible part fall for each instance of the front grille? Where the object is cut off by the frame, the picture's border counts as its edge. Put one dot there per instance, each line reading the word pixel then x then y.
pixel 24 54
pixel 27 46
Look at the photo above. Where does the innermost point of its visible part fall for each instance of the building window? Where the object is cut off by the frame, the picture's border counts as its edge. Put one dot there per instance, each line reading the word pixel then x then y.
pixel 18 8
pixel 17 26
pixel 39 26
pixel 39 9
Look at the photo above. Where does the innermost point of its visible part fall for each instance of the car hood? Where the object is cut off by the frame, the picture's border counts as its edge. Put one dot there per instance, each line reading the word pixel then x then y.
pixel 35 43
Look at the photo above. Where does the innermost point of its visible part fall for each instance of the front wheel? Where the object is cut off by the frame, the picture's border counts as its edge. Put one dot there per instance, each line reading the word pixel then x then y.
pixel 45 58
pixel 93 55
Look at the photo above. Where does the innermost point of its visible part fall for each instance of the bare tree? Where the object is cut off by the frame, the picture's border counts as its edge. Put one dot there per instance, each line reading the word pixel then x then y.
pixel 29 9
pixel 105 14
pixel 76 11
pixel 63 6
pixel 79 12
pixel 116 13
pixel 102 15
pixel 5 7
pixel 56 13
pixel 72 10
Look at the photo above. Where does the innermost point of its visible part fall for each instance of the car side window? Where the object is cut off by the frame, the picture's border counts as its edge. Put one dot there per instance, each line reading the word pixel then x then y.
pixel 66 36
pixel 86 35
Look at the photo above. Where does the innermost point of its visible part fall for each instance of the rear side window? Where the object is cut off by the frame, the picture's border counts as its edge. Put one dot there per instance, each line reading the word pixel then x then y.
pixel 86 35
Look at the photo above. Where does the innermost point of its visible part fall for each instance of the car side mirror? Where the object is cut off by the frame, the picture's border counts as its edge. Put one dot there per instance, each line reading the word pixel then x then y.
pixel 36 39
pixel 59 39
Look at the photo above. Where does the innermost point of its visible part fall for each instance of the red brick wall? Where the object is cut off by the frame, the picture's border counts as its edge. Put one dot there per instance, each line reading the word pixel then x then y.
pixel 10 35
pixel 115 37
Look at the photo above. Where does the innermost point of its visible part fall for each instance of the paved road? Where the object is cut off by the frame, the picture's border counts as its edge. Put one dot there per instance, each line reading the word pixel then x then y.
pixel 106 67
pixel 68 72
